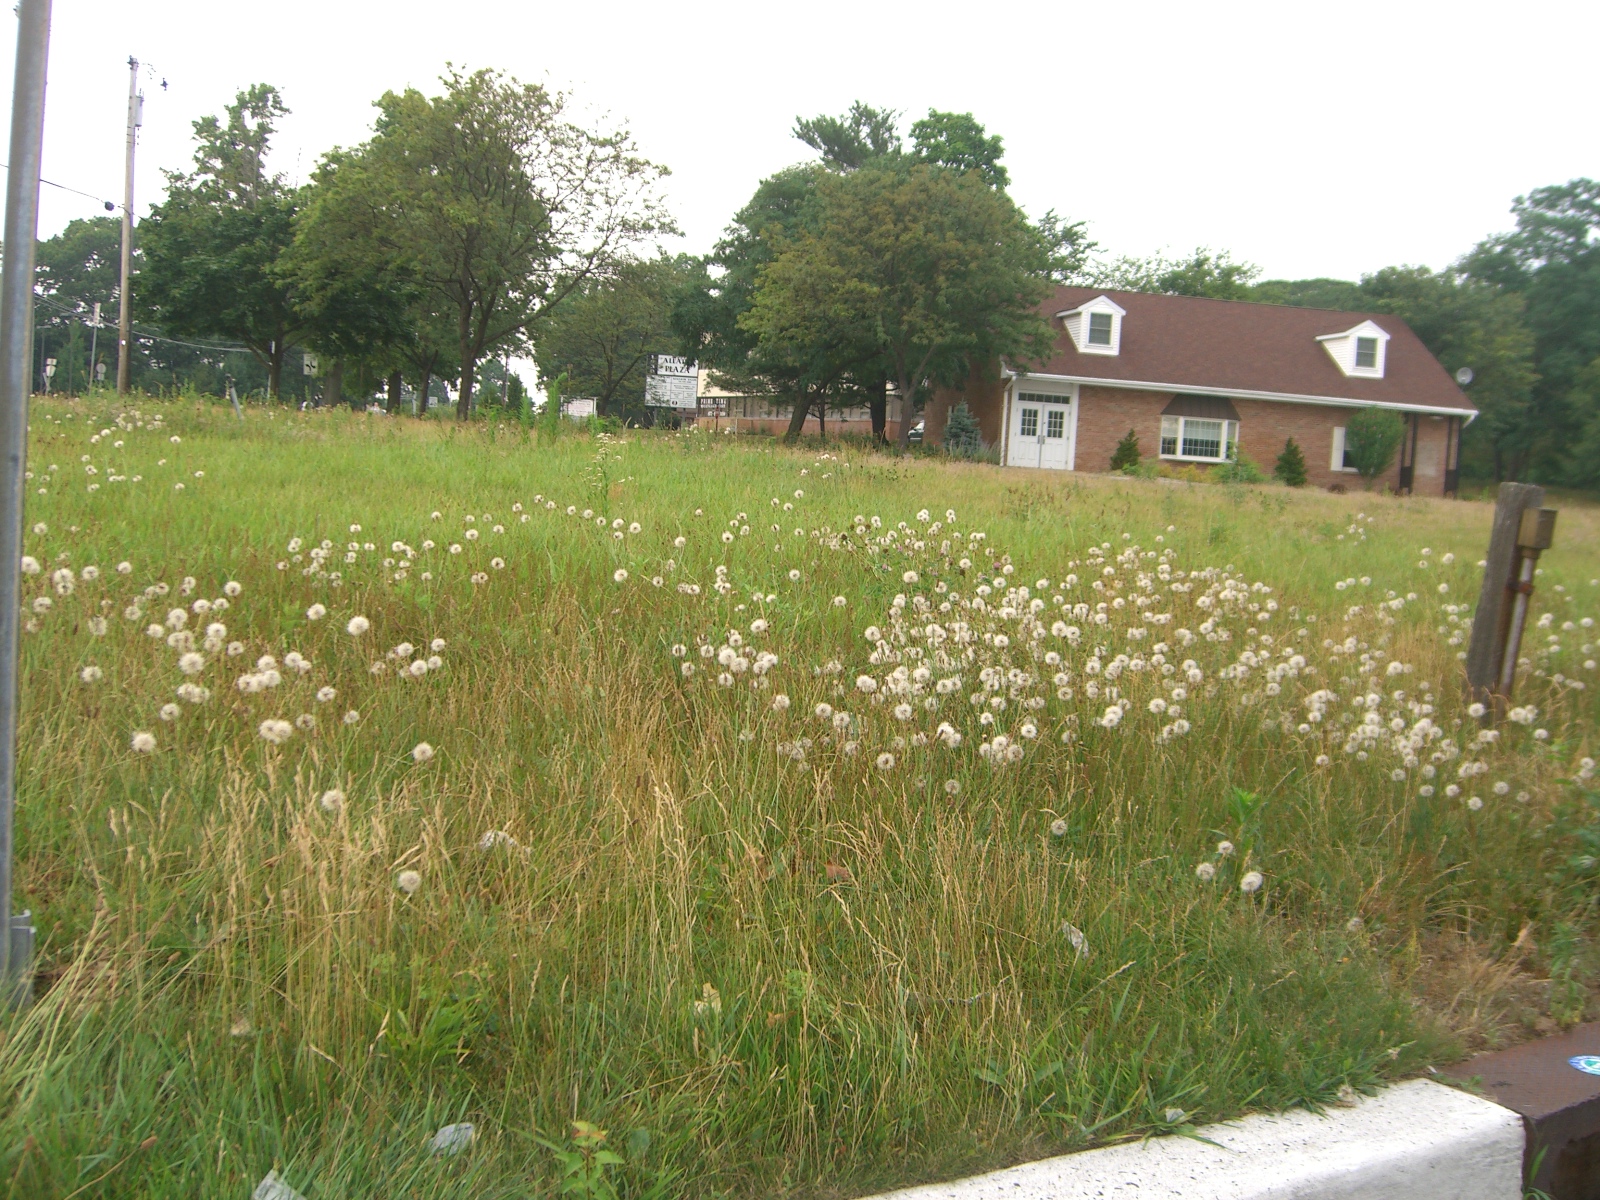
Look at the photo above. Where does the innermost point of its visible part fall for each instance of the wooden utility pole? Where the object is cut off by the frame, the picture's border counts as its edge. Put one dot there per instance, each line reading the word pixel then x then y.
pixel 125 299
pixel 1522 528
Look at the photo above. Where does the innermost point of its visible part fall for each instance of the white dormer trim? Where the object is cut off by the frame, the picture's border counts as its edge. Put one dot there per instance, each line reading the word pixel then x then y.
pixel 1079 321
pixel 1345 349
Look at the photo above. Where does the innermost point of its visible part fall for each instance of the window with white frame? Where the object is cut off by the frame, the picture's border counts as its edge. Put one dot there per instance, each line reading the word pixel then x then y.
pixel 1201 439
pixel 1100 328
pixel 1367 353
pixel 1095 326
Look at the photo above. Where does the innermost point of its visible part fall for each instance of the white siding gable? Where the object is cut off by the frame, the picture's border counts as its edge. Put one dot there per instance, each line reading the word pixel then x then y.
pixel 1360 352
pixel 1087 324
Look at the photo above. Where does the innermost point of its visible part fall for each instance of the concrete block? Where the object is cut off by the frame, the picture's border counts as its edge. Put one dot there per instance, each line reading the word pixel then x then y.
pixel 1416 1141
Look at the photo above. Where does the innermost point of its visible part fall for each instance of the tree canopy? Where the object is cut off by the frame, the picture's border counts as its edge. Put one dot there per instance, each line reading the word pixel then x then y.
pixel 210 249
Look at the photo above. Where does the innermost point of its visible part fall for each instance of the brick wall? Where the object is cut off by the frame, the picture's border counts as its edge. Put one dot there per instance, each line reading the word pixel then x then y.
pixel 1106 415
pixel 984 394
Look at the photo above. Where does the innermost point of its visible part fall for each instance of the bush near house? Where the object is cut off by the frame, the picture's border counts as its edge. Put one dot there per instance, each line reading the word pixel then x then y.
pixel 1290 469
pixel 1126 456
pixel 1371 439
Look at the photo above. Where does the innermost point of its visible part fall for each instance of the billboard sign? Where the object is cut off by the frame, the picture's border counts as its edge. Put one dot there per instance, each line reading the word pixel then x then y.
pixel 671 382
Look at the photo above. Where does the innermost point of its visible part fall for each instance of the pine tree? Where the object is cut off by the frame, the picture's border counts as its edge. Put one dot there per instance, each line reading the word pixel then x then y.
pixel 1126 455
pixel 962 436
pixel 1291 465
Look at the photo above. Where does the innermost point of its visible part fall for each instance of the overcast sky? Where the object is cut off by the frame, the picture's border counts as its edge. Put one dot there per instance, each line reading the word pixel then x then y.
pixel 1325 139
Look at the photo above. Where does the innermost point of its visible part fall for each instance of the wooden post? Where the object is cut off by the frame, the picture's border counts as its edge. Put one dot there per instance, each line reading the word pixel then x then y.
pixel 1491 619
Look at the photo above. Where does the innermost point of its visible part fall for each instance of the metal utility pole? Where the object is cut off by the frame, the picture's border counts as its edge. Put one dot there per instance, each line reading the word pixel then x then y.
pixel 16 356
pixel 125 300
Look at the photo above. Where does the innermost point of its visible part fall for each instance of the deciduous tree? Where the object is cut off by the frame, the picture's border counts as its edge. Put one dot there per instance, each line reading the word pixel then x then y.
pixel 924 267
pixel 210 249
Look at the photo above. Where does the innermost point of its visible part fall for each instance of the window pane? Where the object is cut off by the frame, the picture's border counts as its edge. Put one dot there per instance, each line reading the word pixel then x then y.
pixel 1100 329
pixel 1169 435
pixel 1202 439
pixel 1055 423
pixel 1367 352
pixel 1030 422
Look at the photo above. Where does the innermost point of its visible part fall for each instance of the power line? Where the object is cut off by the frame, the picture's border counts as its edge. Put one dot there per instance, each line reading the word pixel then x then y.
pixel 51 302
pixel 110 207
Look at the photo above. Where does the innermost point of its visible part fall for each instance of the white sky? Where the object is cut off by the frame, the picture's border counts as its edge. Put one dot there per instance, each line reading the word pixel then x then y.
pixel 1327 139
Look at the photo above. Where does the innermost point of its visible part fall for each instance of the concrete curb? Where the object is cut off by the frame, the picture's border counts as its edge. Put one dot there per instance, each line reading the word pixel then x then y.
pixel 1418 1139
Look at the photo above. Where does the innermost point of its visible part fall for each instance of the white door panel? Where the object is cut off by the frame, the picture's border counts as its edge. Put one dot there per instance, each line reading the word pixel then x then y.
pixel 1041 432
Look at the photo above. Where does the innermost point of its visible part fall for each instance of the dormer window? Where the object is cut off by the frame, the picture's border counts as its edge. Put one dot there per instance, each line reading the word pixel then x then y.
pixel 1094 327
pixel 1358 352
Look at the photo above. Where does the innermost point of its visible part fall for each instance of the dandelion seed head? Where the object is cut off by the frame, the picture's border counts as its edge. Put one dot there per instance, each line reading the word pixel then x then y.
pixel 357 626
pixel 408 882
pixel 421 752
pixel 1251 883
pixel 143 742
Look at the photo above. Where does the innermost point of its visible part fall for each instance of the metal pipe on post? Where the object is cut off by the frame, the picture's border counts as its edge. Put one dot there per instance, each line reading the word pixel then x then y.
pixel 16 327
pixel 125 296
pixel 1535 532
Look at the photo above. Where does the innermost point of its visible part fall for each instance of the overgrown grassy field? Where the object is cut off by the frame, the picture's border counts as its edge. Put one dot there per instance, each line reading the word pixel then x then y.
pixel 810 824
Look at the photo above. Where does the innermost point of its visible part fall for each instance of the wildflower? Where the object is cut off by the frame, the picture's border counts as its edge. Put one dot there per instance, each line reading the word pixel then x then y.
pixel 357 626
pixel 316 612
pixel 1251 883
pixel 794 575
pixel 325 694
pixel 331 800
pixel 952 787
pixel 866 684
pixel 91 674
pixel 1205 872
pixel 408 882
pixel 143 743
pixel 780 703
pixel 275 732
pixel 417 669
pixel 235 649
pixel 1475 803
pixel 191 663
pixel 1541 735
pixel 351 717
pixel 885 761
pixel 1224 849
pixel 437 645
pixel 1058 827
pixel 421 752
pixel 30 565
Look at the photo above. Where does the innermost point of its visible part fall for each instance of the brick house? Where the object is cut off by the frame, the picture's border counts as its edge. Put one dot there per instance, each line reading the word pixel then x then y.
pixel 1198 380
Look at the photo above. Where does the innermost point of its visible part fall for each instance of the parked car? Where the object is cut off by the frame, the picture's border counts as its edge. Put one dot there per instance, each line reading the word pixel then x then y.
pixel 916 432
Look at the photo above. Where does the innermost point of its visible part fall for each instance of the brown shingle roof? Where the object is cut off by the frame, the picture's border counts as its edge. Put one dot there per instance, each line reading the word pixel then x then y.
pixel 1194 342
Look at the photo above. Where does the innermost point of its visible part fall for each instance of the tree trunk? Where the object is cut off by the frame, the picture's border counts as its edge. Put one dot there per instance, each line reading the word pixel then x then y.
pixel 879 404
pixel 422 391
pixel 469 368
pixel 333 385
pixel 905 392
pixel 822 417
pixel 797 419
pixel 394 392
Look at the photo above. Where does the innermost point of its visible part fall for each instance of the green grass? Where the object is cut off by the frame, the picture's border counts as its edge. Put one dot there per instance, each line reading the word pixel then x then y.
pixel 762 974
